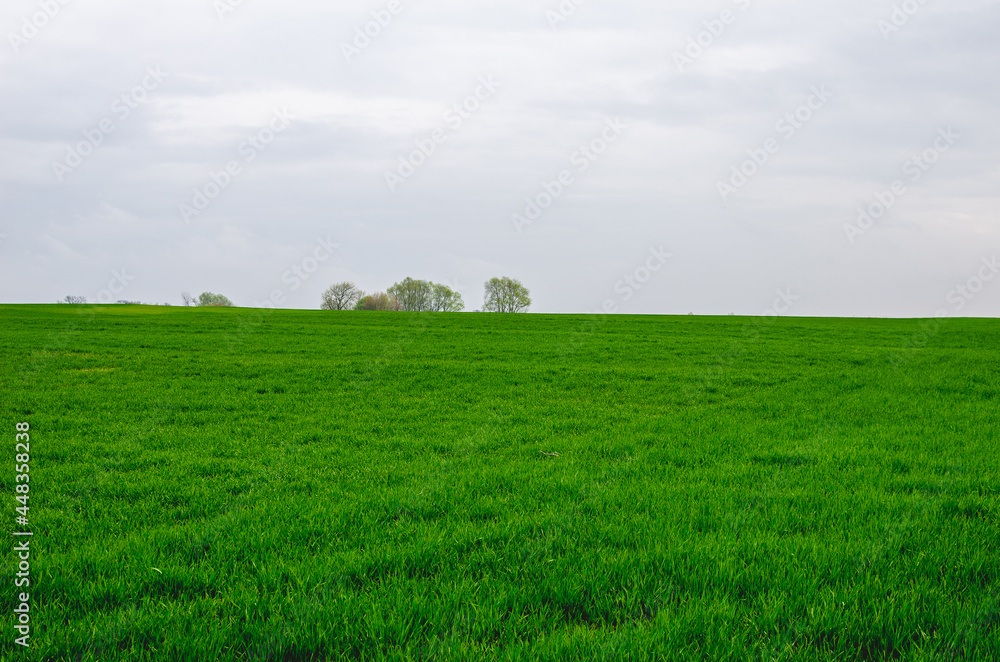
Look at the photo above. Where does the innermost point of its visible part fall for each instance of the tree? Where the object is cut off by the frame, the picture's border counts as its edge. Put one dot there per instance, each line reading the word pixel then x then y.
pixel 422 295
pixel 377 301
pixel 211 299
pixel 342 296
pixel 413 295
pixel 446 300
pixel 506 295
pixel 72 299
pixel 186 298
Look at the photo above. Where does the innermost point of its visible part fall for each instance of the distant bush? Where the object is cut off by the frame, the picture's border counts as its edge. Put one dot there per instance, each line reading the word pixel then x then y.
pixel 212 299
pixel 378 301
pixel 72 299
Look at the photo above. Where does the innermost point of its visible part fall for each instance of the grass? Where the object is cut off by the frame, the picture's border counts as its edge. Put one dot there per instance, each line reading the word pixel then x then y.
pixel 231 484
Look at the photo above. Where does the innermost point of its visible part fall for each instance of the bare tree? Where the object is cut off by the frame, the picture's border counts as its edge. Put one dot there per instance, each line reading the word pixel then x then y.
pixel 342 296
pixel 73 299
pixel 186 298
pixel 506 295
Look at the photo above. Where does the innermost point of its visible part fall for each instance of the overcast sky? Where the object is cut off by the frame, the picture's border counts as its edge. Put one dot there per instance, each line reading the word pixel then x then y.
pixel 645 156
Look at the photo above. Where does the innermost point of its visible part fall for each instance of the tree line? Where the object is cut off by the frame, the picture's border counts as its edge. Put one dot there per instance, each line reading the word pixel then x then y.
pixel 205 299
pixel 502 295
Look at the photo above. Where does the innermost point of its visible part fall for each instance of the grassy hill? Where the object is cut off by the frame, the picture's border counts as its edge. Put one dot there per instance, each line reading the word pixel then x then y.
pixel 233 484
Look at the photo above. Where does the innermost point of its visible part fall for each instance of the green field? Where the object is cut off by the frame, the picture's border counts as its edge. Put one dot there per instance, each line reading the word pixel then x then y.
pixel 231 484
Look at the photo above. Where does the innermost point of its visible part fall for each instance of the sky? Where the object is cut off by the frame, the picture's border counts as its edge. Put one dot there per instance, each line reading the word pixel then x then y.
pixel 732 156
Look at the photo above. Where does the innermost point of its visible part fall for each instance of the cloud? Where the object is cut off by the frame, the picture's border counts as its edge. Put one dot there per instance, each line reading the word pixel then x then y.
pixel 559 83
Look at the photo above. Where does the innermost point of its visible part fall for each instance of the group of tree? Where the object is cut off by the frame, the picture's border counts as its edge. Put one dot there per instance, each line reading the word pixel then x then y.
pixel 420 295
pixel 408 295
pixel 206 300
pixel 82 300
pixel 503 295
